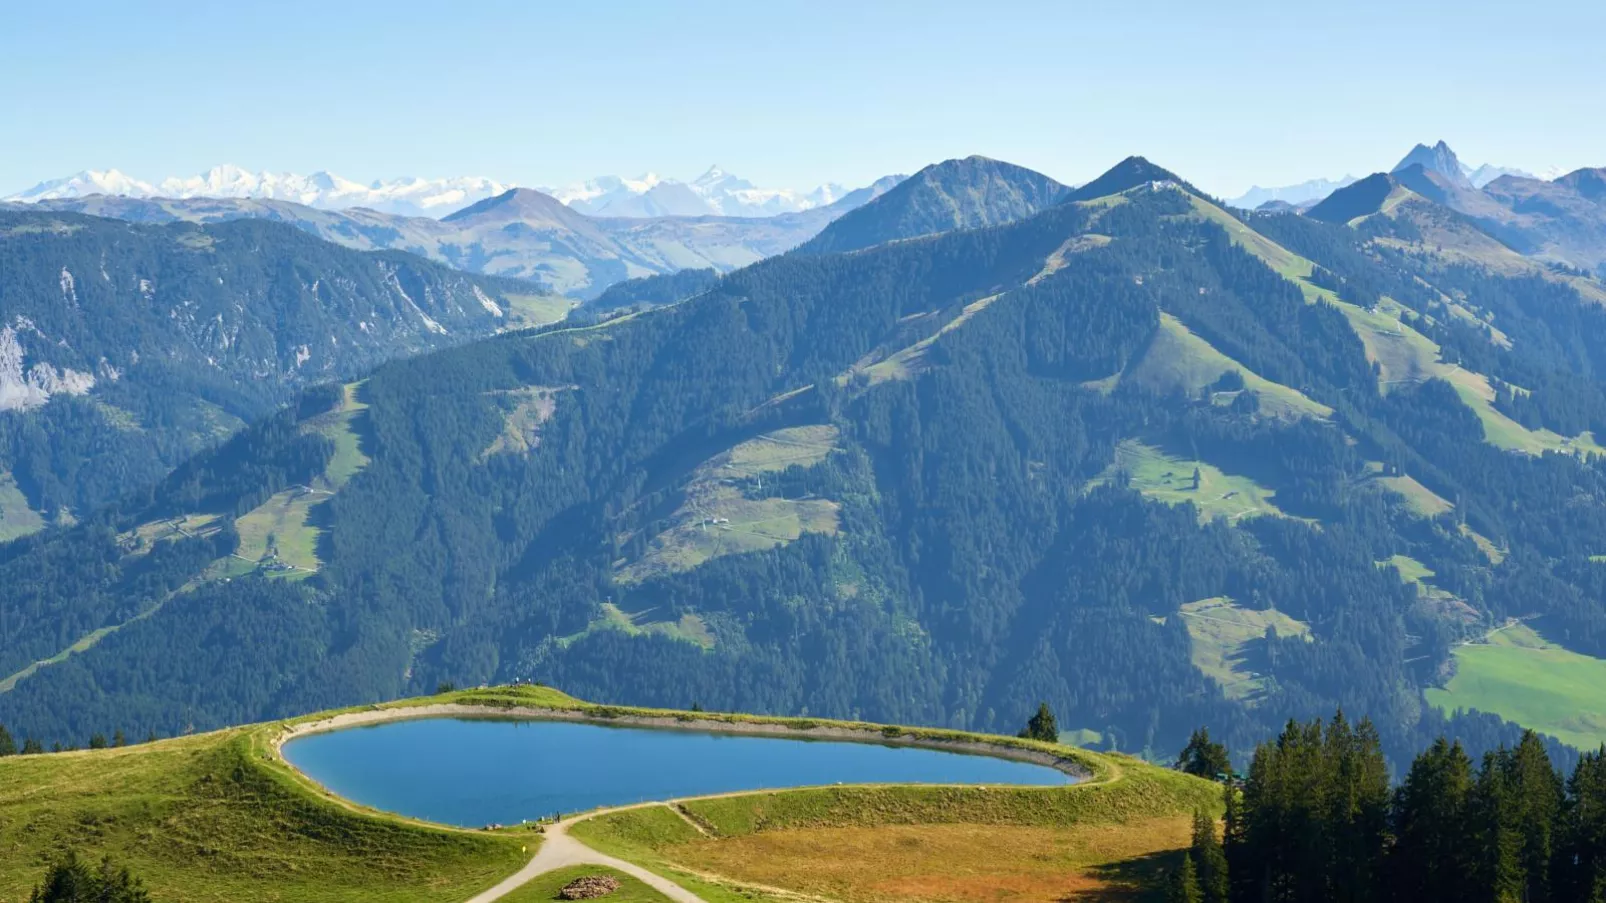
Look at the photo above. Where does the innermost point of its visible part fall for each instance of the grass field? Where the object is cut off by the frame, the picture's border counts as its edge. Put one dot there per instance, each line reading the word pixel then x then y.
pixel 1418 498
pixel 545 887
pixel 687 627
pixel 220 817
pixel 16 517
pixel 280 528
pixel 925 843
pixel 343 427
pixel 526 311
pixel 716 517
pixel 1222 634
pixel 213 818
pixel 905 362
pixel 1166 478
pixel 1179 360
pixel 1520 676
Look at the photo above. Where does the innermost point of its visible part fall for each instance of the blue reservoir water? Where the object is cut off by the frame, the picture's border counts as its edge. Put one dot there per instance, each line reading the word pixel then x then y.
pixel 476 771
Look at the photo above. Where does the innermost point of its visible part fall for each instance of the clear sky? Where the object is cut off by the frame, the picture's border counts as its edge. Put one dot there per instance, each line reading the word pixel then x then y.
pixel 794 94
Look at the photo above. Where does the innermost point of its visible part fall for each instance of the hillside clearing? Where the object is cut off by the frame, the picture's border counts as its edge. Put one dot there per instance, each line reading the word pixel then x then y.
pixel 1179 360
pixel 1165 478
pixel 1418 498
pixel 689 627
pixel 16 517
pixel 528 311
pixel 718 517
pixel 1520 676
pixel 1223 635
pixel 526 410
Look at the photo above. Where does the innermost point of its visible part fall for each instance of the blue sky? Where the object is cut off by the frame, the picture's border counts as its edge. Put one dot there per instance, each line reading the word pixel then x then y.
pixel 793 94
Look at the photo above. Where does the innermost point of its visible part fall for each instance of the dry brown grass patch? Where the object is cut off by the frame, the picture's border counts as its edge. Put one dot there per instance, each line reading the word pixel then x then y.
pixel 946 863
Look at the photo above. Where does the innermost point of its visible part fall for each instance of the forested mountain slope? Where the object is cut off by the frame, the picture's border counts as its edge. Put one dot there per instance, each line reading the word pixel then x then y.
pixel 124 348
pixel 520 233
pixel 954 194
pixel 1154 464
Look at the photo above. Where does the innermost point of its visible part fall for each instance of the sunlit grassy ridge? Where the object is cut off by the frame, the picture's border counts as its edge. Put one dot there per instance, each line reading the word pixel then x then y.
pixel 1179 360
pixel 1402 353
pixel 216 818
pixel 221 817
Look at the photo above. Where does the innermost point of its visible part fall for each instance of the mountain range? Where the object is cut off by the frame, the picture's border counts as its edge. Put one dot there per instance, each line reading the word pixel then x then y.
pixel 984 442
pixel 714 193
pixel 126 348
pixel 519 233
pixel 1309 192
pixel 1561 221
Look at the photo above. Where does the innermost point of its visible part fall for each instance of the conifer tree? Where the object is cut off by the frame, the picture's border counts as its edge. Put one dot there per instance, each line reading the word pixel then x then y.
pixel 72 881
pixel 8 746
pixel 1203 757
pixel 1240 867
pixel 1580 869
pixel 1042 726
pixel 1497 853
pixel 1356 823
pixel 1185 883
pixel 1210 858
pixel 1539 793
pixel 1431 856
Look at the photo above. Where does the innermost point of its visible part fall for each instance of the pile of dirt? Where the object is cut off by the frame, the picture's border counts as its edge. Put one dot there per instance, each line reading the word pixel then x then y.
pixel 589 888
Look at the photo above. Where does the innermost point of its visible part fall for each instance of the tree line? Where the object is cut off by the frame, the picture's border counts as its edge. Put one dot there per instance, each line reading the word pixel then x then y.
pixel 1316 818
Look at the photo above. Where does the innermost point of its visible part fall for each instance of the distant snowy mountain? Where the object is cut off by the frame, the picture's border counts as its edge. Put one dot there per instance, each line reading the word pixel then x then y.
pixel 714 193
pixel 324 190
pixel 1294 195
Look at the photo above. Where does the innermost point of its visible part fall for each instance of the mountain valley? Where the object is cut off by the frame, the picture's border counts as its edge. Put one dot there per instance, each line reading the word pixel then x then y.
pixel 1115 447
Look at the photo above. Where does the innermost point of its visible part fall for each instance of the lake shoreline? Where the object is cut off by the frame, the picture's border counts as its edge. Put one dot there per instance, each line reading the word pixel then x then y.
pixel 1068 766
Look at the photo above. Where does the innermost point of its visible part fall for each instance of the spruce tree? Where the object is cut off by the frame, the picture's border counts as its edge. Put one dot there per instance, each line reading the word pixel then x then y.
pixel 1241 870
pixel 1580 869
pixel 1185 883
pixel 72 881
pixel 1211 859
pixel 1539 793
pixel 32 747
pixel 1356 819
pixel 8 746
pixel 1497 852
pixel 1432 854
pixel 1042 726
pixel 1204 758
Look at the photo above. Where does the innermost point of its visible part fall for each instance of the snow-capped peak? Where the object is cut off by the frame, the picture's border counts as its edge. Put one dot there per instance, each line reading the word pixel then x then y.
pixel 88 182
pixel 715 192
pixel 408 196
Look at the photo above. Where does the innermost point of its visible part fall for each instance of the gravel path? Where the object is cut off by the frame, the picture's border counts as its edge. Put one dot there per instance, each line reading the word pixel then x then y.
pixel 559 850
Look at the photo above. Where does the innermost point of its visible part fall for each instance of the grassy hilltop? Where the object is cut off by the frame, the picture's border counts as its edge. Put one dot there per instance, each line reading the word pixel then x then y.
pixel 222 817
